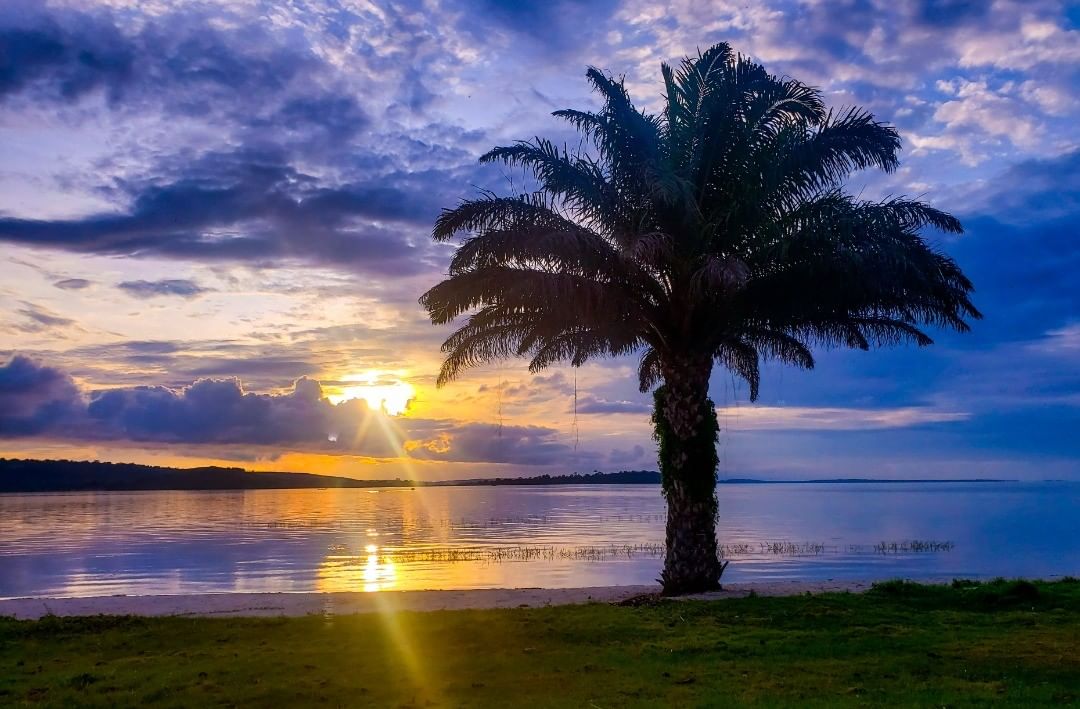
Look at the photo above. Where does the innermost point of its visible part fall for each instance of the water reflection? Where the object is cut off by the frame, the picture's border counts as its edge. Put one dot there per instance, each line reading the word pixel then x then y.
pixel 457 538
pixel 369 572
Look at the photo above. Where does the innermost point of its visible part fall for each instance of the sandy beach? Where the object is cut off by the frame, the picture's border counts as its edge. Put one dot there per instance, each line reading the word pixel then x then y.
pixel 299 604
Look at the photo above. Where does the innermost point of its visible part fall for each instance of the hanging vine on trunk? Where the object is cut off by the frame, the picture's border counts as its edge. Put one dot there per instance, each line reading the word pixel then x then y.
pixel 700 447
pixel 685 427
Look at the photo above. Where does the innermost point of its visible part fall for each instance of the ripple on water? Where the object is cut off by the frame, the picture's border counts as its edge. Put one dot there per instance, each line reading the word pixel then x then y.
pixel 458 538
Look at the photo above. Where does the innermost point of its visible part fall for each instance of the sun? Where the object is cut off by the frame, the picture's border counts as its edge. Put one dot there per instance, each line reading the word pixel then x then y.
pixel 383 391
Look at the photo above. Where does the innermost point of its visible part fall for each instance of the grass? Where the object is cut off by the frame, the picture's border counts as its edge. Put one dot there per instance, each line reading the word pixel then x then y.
pixel 1009 642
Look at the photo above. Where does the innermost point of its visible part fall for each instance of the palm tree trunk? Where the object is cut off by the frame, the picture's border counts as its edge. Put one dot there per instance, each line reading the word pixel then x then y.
pixel 685 424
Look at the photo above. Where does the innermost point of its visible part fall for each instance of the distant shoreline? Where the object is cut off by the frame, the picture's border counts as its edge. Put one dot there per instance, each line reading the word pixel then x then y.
pixel 29 476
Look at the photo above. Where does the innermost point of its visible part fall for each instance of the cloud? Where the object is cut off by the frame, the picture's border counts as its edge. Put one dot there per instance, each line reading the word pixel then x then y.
pixel 253 145
pixel 1052 99
pixel 1029 41
pixel 263 361
pixel 535 389
pixel 73 284
pixel 491 443
pixel 35 398
pixel 180 287
pixel 975 107
pixel 208 412
pixel 220 411
pixel 251 207
pixel 266 366
pixel 1063 340
pixel 1021 248
pixel 38 318
pixel 1030 192
pixel 596 405
pixel 1013 376
pixel 40 401
pixel 61 62
pixel 559 25
pixel 622 457
pixel 948 13
pixel 880 54
pixel 185 62
pixel 807 418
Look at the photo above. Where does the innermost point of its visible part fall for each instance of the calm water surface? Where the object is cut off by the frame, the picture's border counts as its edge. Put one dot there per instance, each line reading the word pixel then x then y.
pixel 89 544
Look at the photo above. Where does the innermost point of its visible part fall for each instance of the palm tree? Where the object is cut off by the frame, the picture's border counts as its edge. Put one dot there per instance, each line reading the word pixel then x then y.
pixel 717 232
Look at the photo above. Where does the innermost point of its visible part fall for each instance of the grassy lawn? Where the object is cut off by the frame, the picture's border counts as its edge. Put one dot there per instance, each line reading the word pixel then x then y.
pixel 901 644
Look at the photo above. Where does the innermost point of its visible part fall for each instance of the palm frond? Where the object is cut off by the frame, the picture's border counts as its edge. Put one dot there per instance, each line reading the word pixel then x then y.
pixel 719 229
pixel 649 369
pixel 781 346
pixel 492 212
pixel 812 159
pixel 741 358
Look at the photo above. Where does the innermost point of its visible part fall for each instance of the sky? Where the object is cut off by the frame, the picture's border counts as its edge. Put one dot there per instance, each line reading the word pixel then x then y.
pixel 215 219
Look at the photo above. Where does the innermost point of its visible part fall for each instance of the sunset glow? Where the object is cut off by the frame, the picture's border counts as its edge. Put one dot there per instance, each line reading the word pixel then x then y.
pixel 215 226
pixel 380 393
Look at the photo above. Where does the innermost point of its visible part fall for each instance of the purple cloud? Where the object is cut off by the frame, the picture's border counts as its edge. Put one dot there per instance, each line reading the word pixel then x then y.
pixel 491 443
pixel 35 398
pixel 38 318
pixel 272 211
pixel 597 405
pixel 73 284
pixel 180 287
pixel 40 401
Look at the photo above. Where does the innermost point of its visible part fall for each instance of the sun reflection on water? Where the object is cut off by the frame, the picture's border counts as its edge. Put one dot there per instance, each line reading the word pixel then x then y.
pixel 347 572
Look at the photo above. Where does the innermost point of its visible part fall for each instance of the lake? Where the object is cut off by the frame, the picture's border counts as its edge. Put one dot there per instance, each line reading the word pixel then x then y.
pixel 90 544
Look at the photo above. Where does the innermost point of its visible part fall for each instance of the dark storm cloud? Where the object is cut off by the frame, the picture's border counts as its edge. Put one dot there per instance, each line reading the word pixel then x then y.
pixel 177 287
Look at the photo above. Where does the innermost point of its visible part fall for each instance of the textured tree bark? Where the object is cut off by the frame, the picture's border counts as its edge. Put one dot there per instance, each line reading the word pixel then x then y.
pixel 685 423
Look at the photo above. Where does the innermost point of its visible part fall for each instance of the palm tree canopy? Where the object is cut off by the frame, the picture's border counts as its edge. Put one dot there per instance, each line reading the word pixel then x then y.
pixel 717 230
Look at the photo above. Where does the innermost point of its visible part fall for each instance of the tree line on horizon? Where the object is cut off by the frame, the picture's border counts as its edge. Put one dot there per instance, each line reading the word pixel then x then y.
pixel 26 475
